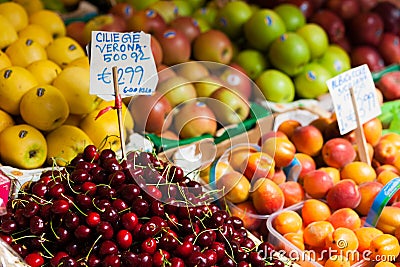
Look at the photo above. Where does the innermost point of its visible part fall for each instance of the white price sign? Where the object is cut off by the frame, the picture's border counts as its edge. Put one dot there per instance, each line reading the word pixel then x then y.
pixel 368 107
pixel 131 53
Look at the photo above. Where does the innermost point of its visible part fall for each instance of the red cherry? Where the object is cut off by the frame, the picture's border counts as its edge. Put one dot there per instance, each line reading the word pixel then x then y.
pixel 34 259
pixel 149 245
pixel 129 221
pixel 55 261
pixel 124 239
pixel 93 218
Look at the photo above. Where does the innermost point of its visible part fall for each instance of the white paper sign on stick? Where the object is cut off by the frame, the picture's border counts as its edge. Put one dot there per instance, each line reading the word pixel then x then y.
pixel 131 53
pixel 360 79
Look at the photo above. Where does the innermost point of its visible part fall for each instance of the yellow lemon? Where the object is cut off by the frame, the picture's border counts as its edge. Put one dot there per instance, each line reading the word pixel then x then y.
pixel 31 6
pixel 79 62
pixel 6 120
pixel 65 143
pixel 50 20
pixel 15 81
pixel 44 107
pixel 36 33
pixel 64 50
pixel 24 51
pixel 103 131
pixel 44 70
pixel 23 146
pixel 4 60
pixel 73 82
pixel 8 34
pixel 15 13
pixel 126 116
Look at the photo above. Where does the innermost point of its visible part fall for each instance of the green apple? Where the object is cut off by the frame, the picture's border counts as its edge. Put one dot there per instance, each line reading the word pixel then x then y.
pixel 252 61
pixel 289 53
pixel 203 24
pixel 263 27
pixel 177 90
pixel 213 45
pixel 207 85
pixel 311 82
pixel 231 18
pixel 192 70
pixel 207 13
pixel 228 106
pixel 184 7
pixel 291 15
pixel 335 60
pixel 195 4
pixel 276 86
pixel 316 38
pixel 141 4
pixel 167 9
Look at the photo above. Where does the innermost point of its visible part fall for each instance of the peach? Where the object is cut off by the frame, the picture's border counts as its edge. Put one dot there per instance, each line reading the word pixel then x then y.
pixel 267 196
pixel 269 134
pixel 279 176
pixel 384 167
pixel 307 163
pixel 368 191
pixel 338 152
pixel 385 176
pixel 333 172
pixel 317 183
pixel 342 240
pixel 393 137
pixel 281 149
pixel 358 171
pixel 258 165
pixel 386 151
pixel 345 217
pixel 307 139
pixel 234 186
pixel 293 192
pixel 344 194
pixel 288 126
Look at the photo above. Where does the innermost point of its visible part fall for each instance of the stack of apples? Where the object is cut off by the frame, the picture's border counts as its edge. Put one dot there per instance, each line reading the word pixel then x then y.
pixel 47 113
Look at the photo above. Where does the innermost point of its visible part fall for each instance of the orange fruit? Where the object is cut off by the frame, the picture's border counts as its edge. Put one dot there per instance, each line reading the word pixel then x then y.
pixel 365 235
pixel 345 217
pixel 337 261
pixel 296 239
pixel 342 240
pixel 358 171
pixel 315 233
pixel 287 221
pixel 314 210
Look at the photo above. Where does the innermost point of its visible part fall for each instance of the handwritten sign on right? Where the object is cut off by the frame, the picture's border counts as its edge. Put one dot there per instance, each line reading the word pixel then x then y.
pixel 360 79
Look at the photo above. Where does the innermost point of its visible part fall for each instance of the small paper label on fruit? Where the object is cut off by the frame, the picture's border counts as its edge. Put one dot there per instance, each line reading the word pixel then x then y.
pixel 131 53
pixel 368 107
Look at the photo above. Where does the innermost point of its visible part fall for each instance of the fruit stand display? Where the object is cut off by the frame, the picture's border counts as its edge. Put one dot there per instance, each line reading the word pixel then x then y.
pixel 236 159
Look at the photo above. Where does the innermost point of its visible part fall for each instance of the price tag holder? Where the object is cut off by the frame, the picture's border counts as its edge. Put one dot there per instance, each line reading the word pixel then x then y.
pixel 360 80
pixel 131 53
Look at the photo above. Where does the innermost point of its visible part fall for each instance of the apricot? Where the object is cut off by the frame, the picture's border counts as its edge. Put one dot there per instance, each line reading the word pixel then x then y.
pixel 337 152
pixel 280 149
pixel 333 172
pixel 337 261
pixel 358 171
pixel 384 247
pixel 386 176
pixel 368 191
pixel 317 183
pixel 308 140
pixel 314 210
pixel 365 236
pixel 373 130
pixel 258 165
pixel 279 176
pixel 344 194
pixel 234 186
pixel 341 240
pixel 296 239
pixel 389 219
pixel 387 167
pixel 345 217
pixel 267 196
pixel 293 192
pixel 287 221
pixel 239 155
pixel 385 264
pixel 307 163
pixel 315 233
pixel 288 126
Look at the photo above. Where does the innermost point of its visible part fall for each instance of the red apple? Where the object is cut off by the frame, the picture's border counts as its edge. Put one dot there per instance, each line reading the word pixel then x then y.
pixel 213 45
pixel 176 47
pixel 389 48
pixel 150 113
pixel 122 9
pixel 146 20
pixel 389 85
pixel 367 5
pixel 194 119
pixel 188 25
pixel 331 23
pixel 75 31
pixel 365 29
pixel 390 14
pixel 156 50
pixel 345 9
pixel 369 55
pixel 344 43
pixel 337 152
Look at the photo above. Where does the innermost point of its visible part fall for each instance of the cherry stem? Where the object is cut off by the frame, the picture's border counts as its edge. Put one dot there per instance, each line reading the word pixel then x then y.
pixel 92 247
pixel 84 214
